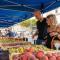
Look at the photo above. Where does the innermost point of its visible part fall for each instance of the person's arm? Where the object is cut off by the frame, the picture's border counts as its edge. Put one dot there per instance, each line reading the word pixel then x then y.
pixel 36 33
pixel 52 42
pixel 45 38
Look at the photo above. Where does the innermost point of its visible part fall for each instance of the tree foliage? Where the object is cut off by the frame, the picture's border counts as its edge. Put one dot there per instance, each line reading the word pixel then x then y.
pixel 28 22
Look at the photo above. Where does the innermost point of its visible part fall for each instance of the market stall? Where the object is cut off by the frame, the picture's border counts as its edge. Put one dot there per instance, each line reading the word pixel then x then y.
pixel 14 11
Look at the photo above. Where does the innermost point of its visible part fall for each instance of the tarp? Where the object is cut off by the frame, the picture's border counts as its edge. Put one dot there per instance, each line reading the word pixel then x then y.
pixel 14 11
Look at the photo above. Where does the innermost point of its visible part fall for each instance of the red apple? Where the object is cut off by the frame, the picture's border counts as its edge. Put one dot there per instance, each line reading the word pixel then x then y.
pixel 54 54
pixel 49 54
pixel 27 56
pixel 39 54
pixel 32 57
pixel 52 58
pixel 23 57
pixel 44 58
pixel 58 58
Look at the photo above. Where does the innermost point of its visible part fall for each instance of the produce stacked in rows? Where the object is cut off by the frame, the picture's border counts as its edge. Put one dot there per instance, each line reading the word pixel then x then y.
pixel 9 40
pixel 23 48
pixel 40 55
pixel 33 52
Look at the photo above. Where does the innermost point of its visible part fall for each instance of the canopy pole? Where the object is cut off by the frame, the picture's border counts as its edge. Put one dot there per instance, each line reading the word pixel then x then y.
pixel 50 5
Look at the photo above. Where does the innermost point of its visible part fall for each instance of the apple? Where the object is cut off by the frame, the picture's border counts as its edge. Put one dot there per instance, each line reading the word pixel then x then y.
pixel 27 56
pixel 44 58
pixel 52 58
pixel 58 58
pixel 39 54
pixel 49 54
pixel 54 54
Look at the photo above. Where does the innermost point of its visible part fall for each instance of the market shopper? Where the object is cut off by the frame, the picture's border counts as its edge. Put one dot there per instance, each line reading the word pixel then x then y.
pixel 56 38
pixel 51 30
pixel 51 20
pixel 9 33
pixel 41 28
pixel 49 37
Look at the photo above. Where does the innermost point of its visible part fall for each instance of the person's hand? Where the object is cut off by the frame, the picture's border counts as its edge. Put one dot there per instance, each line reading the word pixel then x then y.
pixel 53 34
pixel 43 43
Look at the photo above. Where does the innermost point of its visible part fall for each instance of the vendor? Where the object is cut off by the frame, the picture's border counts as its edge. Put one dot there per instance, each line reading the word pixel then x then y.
pixel 41 28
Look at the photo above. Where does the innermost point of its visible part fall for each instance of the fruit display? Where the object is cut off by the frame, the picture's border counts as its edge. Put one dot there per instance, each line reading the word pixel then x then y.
pixel 23 48
pixel 16 50
pixel 33 52
pixel 12 42
pixel 9 40
pixel 9 45
pixel 40 55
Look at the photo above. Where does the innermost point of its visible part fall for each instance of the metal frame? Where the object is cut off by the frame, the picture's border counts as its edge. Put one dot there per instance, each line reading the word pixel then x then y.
pixel 28 6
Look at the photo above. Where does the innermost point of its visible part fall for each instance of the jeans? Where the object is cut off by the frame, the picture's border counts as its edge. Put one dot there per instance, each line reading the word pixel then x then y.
pixel 40 41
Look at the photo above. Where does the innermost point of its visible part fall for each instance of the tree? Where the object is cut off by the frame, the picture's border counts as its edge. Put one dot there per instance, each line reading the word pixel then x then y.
pixel 28 22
